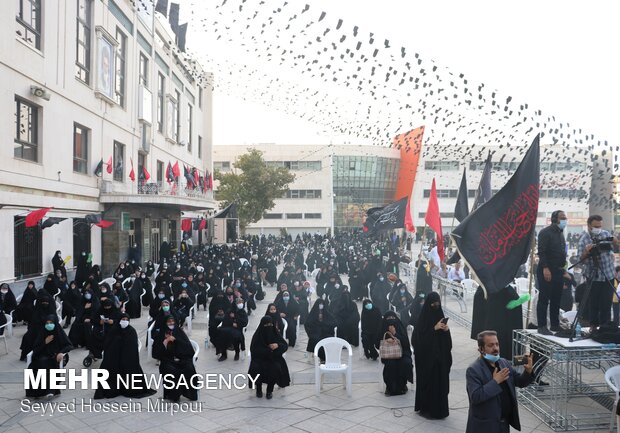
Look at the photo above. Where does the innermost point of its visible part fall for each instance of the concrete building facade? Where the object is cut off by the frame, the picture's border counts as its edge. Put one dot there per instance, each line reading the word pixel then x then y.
pixel 89 81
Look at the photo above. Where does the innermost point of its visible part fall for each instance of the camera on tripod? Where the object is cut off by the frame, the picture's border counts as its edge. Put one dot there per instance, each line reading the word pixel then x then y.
pixel 601 245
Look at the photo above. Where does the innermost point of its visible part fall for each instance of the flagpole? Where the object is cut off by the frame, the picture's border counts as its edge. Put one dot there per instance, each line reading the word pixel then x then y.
pixel 531 278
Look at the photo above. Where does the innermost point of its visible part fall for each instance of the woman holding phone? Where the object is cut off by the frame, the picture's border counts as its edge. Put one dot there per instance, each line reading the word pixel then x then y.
pixel 432 346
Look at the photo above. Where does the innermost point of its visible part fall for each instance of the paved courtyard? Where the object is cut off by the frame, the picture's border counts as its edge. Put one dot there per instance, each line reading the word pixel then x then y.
pixel 293 409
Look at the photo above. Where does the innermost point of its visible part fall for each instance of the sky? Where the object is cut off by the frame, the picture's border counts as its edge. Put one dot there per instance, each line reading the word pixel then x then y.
pixel 558 56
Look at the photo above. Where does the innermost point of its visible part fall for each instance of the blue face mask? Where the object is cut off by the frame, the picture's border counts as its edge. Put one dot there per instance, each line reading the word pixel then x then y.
pixel 87 296
pixel 368 306
pixel 491 358
pixel 50 326
pixel 562 224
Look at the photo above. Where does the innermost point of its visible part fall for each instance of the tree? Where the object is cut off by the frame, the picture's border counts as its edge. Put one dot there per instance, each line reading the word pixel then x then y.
pixel 253 185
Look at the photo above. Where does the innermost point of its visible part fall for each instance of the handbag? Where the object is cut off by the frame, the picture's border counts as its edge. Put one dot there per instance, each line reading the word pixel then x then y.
pixel 390 349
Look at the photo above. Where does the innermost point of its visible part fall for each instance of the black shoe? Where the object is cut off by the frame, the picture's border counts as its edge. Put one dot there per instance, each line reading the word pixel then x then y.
pixel 222 358
pixel 555 328
pixel 269 396
pixel 259 393
pixel 236 356
pixel 542 383
pixel 544 331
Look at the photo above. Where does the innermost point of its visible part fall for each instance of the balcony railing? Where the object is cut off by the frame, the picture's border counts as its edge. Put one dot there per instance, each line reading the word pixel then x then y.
pixel 166 189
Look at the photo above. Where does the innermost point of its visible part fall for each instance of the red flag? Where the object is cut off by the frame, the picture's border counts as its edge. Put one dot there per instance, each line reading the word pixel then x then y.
pixel 104 224
pixel 175 169
pixel 210 181
pixel 147 175
pixel 408 220
pixel 186 224
pixel 33 218
pixel 433 219
pixel 203 224
pixel 132 174
pixel 195 176
pixel 109 165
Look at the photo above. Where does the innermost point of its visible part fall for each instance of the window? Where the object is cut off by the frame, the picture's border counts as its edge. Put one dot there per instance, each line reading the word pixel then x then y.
pixel 141 166
pixel 199 147
pixel 190 113
pixel 143 68
pixel 119 161
pixel 27 249
pixel 441 214
pixel 81 238
pixel 221 165
pixel 296 165
pixel 441 165
pixel 200 97
pixel 161 83
pixel 293 216
pixel 351 165
pixel 442 193
pixel 312 216
pixel 272 216
pixel 82 58
pixel 26 130
pixel 172 233
pixel 80 149
pixel 177 110
pixel 29 22
pixel 121 52
pixel 302 193
pixel 160 172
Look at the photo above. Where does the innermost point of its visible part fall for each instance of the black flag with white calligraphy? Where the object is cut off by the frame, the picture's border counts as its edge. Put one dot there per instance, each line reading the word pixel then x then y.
pixel 495 239
pixel 390 216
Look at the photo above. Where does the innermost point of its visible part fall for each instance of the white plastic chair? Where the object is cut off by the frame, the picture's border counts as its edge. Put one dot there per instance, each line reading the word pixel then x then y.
pixel 59 312
pixel 110 281
pixel 141 296
pixel 469 286
pixel 569 315
pixel 8 331
pixel 333 352
pixel 523 285
pixel 149 339
pixel 361 346
pixel 612 377
pixel 196 348
pixel 29 360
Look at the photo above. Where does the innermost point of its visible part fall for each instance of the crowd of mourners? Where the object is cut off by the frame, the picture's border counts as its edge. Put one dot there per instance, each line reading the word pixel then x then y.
pixel 94 311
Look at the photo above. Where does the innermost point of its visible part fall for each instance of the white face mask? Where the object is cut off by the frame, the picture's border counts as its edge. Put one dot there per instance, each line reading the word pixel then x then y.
pixel 124 323
pixel 337 286
pixel 596 231
pixel 239 306
pixel 321 306
pixel 171 327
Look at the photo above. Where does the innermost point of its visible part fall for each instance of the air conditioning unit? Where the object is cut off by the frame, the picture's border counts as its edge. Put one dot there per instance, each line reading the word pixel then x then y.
pixel 40 92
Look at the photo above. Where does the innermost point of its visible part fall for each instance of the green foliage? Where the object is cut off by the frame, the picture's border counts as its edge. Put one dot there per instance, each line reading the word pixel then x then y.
pixel 253 185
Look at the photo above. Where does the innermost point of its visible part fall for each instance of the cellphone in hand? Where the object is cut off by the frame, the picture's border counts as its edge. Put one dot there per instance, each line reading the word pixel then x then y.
pixel 519 360
pixel 445 320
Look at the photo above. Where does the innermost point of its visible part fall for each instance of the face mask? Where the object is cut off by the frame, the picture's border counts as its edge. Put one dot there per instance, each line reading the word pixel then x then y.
pixel 239 306
pixel 337 286
pixel 166 308
pixel 402 290
pixel 368 306
pixel 4 291
pixel 104 290
pixel 562 224
pixel 286 298
pixel 491 358
pixel 596 231
pixel 124 323
pixel 381 278
pixel 161 296
pixel 237 285
pixel 88 296
pixel 50 326
pixel 171 327
pixel 321 306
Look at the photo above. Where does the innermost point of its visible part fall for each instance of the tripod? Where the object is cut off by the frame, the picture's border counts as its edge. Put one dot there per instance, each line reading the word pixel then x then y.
pixel 594 270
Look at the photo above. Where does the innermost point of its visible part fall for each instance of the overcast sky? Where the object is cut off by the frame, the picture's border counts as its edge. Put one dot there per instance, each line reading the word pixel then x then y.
pixel 560 56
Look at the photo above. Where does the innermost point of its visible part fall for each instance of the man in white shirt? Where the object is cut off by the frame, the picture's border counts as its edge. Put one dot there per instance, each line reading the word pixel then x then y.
pixel 456 273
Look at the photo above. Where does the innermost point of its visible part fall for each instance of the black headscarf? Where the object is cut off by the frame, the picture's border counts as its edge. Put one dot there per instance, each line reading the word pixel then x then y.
pixel 371 319
pixel 429 315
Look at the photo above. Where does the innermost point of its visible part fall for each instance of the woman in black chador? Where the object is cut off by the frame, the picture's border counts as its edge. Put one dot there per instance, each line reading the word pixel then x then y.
pixel 347 318
pixel 231 331
pixel 266 351
pixel 319 324
pixel 82 329
pixel 176 353
pixel 44 307
pixel 121 358
pixel 432 346
pixel 371 329
pixel 49 349
pixel 24 310
pixel 396 372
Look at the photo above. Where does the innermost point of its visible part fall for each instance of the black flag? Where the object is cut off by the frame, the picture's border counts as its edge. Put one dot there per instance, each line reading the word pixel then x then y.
pixel 391 216
pixel 51 221
pixel 484 193
pixel 461 209
pixel 99 169
pixel 93 218
pixel 495 239
pixel 162 7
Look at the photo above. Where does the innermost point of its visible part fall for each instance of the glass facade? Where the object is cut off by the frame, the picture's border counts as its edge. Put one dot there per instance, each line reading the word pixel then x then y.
pixel 361 183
